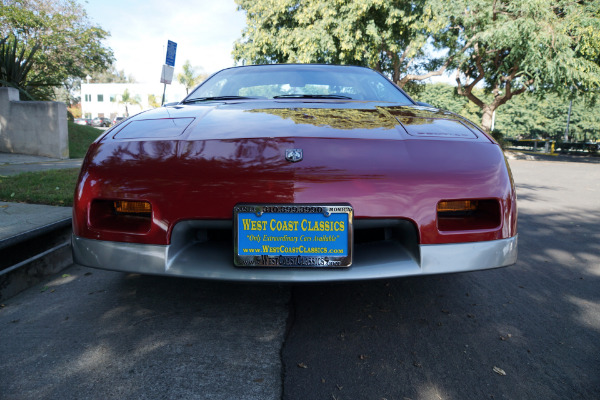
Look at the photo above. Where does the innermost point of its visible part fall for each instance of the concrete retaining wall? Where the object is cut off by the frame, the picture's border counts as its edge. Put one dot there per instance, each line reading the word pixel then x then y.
pixel 32 127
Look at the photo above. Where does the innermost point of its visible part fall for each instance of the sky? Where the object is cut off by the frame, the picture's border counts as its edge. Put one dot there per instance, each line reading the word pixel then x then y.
pixel 204 31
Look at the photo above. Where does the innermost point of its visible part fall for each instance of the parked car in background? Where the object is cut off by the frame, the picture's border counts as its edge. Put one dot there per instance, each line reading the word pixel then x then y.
pixel 117 120
pixel 101 122
pixel 83 121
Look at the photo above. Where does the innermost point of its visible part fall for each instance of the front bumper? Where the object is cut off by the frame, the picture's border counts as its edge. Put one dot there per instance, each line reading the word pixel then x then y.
pixel 215 260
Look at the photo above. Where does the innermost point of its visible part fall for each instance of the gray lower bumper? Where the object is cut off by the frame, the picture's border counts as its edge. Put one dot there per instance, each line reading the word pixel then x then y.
pixel 215 261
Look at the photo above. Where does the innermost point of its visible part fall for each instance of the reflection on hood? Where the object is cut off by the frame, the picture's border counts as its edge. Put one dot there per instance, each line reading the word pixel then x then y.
pixel 335 118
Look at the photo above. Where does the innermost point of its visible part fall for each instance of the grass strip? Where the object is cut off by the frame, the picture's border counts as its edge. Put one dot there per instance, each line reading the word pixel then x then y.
pixel 80 139
pixel 53 187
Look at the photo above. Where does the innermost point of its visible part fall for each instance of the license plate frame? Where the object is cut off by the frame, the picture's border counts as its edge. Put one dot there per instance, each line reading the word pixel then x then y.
pixel 293 235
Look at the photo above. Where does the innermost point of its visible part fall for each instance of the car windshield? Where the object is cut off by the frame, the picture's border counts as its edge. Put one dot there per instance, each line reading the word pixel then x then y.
pixel 298 81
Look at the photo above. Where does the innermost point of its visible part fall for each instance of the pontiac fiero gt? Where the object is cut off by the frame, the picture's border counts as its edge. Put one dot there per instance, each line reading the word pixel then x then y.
pixel 295 173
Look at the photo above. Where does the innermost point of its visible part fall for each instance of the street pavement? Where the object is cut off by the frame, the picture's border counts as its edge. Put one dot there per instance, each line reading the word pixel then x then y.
pixel 528 331
pixel 245 323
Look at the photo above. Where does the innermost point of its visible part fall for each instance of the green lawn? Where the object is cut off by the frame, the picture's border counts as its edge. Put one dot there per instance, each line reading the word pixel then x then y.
pixel 80 138
pixel 54 187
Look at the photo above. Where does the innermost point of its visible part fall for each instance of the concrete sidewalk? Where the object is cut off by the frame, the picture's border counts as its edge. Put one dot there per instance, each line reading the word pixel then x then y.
pixel 17 219
pixel 34 239
pixel 13 164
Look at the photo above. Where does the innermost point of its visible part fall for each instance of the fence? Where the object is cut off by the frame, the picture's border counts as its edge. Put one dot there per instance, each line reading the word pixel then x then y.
pixel 552 146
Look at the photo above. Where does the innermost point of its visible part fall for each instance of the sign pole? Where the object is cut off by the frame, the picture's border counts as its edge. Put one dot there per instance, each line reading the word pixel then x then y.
pixel 167 71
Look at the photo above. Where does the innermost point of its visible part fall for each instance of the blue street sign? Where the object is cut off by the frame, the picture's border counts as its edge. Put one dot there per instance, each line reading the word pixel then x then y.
pixel 171 50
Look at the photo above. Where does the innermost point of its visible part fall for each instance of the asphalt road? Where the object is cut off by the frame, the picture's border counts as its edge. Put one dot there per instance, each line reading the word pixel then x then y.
pixel 529 331
pixel 92 334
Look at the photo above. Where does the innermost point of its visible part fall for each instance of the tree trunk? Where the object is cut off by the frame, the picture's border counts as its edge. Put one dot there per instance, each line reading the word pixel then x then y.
pixel 486 119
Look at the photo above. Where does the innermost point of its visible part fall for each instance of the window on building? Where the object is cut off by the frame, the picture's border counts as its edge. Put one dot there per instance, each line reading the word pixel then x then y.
pixel 113 98
pixel 88 97
pixel 100 98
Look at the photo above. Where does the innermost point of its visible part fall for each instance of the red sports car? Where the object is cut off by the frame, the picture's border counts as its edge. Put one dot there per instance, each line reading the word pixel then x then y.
pixel 295 173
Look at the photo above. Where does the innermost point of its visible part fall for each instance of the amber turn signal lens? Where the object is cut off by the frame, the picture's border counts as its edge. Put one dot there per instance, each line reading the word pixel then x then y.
pixel 457 206
pixel 132 207
pixel 121 216
pixel 466 215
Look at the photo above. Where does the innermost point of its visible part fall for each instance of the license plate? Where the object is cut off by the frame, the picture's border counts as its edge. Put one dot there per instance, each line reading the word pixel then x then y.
pixel 298 235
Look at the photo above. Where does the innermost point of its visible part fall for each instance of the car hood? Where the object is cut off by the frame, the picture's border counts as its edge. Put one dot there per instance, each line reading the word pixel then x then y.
pixel 285 118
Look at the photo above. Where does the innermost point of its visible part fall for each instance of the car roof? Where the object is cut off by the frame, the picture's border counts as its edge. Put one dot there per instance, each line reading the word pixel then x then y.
pixel 315 67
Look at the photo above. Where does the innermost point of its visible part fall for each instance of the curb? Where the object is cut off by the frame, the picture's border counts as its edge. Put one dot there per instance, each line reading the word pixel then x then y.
pixel 32 255
pixel 21 237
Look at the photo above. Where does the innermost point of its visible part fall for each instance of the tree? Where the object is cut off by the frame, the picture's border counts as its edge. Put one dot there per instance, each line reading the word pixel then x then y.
pixel 129 100
pixel 70 46
pixel 153 101
pixel 523 46
pixel 16 65
pixel 505 47
pixel 189 77
pixel 389 36
pixel 525 116
pixel 111 75
pixel 75 110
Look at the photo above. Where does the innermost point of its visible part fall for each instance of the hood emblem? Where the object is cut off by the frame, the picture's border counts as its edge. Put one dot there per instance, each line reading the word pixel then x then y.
pixel 293 155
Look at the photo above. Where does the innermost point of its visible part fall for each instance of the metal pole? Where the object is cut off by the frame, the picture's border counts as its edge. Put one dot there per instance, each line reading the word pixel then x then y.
pixel 568 121
pixel 163 98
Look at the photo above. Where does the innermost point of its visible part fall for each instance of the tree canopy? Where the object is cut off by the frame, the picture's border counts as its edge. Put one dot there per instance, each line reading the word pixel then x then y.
pixel 389 36
pixel 128 100
pixel 70 46
pixel 526 116
pixel 523 46
pixel 15 65
pixel 111 75
pixel 189 77
pixel 505 47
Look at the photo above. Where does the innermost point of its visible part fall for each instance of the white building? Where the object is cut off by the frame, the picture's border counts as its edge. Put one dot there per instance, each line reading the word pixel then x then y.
pixel 105 99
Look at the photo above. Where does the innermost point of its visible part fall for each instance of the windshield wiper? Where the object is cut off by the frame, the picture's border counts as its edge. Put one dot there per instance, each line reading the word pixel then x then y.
pixel 312 96
pixel 216 98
